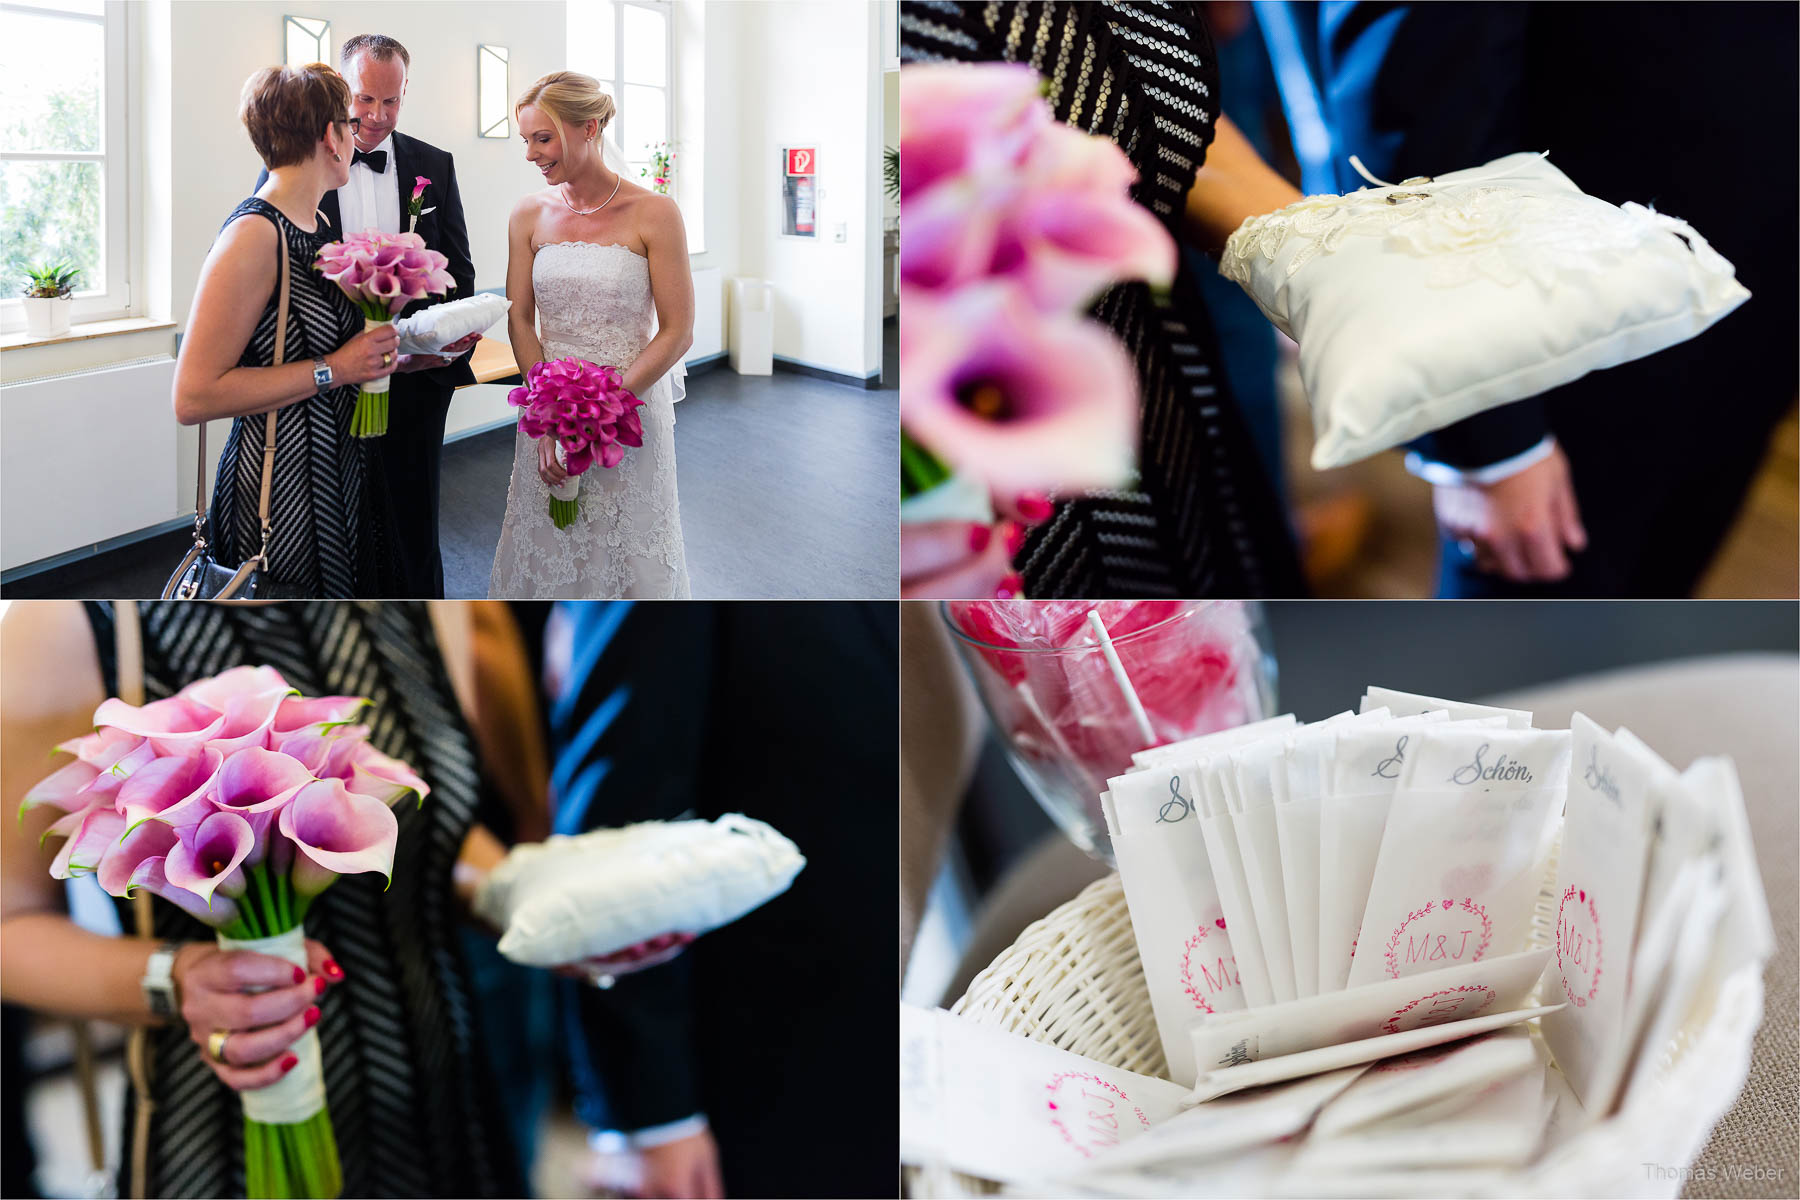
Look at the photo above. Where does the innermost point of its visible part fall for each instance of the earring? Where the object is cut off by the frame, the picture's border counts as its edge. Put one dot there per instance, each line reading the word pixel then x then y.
pixel 336 157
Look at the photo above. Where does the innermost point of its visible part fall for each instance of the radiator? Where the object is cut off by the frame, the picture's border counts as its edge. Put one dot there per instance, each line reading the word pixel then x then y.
pixel 87 456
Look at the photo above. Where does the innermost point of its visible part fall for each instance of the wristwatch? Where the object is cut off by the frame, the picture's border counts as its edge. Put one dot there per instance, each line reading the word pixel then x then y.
pixel 321 375
pixel 159 981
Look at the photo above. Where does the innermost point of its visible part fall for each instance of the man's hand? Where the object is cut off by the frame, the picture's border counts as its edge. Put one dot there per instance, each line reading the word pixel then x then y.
pixel 431 362
pixel 685 1167
pixel 1520 527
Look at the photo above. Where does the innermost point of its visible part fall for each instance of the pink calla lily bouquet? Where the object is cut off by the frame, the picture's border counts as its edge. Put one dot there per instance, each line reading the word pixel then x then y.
pixel 382 273
pixel 1013 224
pixel 590 414
pixel 240 801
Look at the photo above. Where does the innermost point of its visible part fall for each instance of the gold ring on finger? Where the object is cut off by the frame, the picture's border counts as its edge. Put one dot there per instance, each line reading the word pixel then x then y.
pixel 387 360
pixel 215 1044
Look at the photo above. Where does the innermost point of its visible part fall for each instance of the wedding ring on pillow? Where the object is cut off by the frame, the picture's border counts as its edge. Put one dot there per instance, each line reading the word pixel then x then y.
pixel 215 1045
pixel 1404 197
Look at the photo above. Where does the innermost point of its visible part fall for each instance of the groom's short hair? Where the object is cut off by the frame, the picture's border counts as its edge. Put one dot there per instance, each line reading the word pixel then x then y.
pixel 379 46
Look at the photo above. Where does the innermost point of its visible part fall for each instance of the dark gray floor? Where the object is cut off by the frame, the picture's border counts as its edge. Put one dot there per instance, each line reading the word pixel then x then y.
pixel 789 490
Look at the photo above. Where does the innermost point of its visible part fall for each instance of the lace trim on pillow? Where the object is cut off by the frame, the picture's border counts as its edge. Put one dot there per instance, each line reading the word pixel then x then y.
pixel 1467 231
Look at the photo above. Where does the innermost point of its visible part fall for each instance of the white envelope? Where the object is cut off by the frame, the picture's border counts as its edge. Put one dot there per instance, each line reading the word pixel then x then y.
pixel 1390 1006
pixel 1226 1080
pixel 1502 1125
pixel 1004 1107
pixel 1229 1125
pixel 1207 743
pixel 1414 1085
pixel 1404 704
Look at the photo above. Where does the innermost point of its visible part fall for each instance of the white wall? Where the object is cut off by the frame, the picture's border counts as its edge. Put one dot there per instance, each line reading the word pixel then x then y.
pixel 807 75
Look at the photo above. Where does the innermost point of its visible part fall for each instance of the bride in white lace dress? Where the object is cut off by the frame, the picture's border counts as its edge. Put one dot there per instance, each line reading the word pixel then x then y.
pixel 604 264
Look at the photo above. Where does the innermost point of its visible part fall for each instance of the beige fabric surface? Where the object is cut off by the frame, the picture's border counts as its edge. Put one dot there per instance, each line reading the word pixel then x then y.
pixel 1748 707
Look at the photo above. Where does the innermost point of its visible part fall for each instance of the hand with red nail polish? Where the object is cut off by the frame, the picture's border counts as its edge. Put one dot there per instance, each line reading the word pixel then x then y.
pixel 1034 508
pixel 951 560
pixel 261 1003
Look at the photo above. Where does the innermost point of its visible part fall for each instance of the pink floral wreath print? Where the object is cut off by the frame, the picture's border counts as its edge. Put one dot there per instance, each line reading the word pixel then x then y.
pixel 1187 967
pixel 1056 1110
pixel 1468 905
pixel 1392 1024
pixel 1599 957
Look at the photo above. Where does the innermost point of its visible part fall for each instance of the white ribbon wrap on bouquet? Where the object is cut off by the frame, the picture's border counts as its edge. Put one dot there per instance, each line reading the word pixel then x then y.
pixel 569 488
pixel 374 385
pixel 301 1092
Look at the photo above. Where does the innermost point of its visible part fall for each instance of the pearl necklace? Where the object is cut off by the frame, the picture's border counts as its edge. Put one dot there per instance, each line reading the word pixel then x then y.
pixel 588 212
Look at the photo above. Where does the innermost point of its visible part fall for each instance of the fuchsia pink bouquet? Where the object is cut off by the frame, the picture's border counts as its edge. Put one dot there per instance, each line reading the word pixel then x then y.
pixel 382 273
pixel 590 414
pixel 240 801
pixel 1013 223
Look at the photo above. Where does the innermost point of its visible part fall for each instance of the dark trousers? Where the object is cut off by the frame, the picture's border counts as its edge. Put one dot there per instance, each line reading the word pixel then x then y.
pixel 411 457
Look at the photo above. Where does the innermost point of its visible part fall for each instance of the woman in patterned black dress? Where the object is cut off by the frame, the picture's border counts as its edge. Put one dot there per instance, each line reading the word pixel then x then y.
pixel 1202 518
pixel 325 538
pixel 412 1105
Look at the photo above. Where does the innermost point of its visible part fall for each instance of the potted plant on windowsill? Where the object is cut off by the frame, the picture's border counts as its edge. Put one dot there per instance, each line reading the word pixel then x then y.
pixel 50 298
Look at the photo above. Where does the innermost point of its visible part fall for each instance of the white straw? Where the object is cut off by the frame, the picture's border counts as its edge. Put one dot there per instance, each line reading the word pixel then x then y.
pixel 1119 676
pixel 1043 718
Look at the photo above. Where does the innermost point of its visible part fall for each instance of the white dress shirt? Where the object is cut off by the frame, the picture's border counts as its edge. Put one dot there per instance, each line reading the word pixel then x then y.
pixel 371 201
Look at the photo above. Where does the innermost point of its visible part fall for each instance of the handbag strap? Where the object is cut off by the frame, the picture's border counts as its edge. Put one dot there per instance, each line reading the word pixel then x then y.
pixel 128 644
pixel 268 465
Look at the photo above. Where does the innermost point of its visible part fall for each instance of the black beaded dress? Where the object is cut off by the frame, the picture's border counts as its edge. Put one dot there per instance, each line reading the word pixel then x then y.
pixel 1201 519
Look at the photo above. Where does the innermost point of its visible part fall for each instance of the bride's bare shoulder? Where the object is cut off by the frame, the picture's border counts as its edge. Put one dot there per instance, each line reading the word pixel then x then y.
pixel 530 207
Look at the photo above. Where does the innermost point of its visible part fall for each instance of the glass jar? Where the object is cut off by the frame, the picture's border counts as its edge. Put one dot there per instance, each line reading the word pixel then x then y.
pixel 1197 666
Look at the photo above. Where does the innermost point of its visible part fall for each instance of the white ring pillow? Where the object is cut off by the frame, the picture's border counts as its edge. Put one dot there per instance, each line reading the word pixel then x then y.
pixel 1419 304
pixel 570 898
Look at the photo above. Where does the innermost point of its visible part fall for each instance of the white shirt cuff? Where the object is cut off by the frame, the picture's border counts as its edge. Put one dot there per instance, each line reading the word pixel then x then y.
pixel 613 1141
pixel 1445 475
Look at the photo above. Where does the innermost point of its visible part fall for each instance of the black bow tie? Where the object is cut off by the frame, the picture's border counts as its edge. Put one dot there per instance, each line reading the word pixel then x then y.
pixel 377 160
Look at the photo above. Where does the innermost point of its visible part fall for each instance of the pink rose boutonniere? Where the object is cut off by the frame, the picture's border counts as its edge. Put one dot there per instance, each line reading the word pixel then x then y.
pixel 415 208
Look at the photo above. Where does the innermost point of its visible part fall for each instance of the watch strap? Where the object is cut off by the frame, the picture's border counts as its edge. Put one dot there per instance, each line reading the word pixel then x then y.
pixel 160 992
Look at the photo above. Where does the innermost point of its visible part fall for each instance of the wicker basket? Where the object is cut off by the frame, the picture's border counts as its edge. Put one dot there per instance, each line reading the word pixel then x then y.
pixel 1073 980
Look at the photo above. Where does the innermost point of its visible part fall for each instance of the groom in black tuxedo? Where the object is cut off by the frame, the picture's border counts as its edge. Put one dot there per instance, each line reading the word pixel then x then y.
pixel 385 170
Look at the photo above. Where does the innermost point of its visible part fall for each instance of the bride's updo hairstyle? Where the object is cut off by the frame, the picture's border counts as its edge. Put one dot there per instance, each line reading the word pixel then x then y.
pixel 569 98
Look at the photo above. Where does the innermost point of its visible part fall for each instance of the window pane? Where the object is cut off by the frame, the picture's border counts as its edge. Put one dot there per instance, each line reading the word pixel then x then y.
pixel 646 120
pixel 50 211
pixel 590 48
pixel 646 46
pixel 50 72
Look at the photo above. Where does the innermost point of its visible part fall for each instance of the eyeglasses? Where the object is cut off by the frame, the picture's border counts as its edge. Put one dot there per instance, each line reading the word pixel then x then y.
pixel 355 123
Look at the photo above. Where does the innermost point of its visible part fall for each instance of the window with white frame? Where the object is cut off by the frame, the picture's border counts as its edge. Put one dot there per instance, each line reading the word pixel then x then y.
pixel 63 153
pixel 626 45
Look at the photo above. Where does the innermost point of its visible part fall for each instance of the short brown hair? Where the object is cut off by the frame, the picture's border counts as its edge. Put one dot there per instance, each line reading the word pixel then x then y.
pixel 380 47
pixel 286 110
